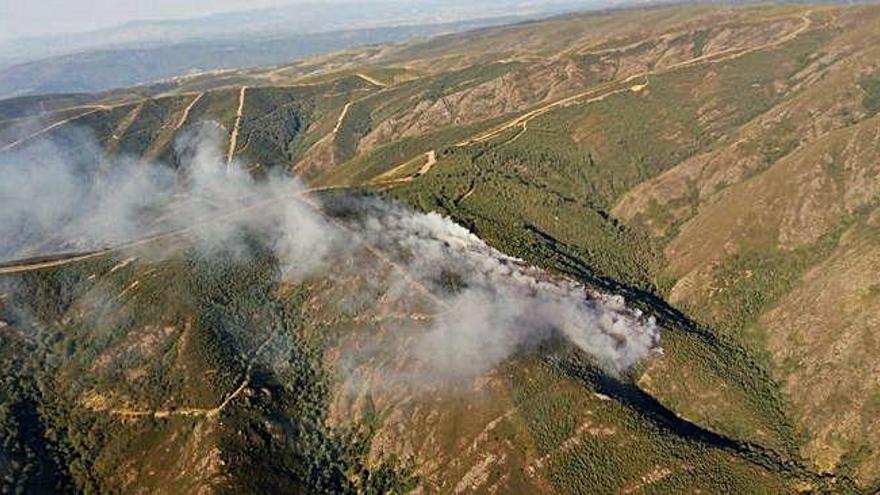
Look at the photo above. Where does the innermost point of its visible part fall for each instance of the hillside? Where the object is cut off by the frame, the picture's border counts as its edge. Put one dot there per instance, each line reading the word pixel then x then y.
pixel 715 166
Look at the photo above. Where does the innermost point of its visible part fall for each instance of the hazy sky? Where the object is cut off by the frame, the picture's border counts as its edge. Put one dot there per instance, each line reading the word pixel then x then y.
pixel 37 17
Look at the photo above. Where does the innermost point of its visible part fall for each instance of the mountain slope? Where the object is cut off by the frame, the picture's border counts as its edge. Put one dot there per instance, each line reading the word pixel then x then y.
pixel 713 165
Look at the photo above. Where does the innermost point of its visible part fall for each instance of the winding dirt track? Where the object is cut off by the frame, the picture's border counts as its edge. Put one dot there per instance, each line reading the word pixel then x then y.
pixel 90 110
pixel 601 92
pixel 209 413
pixel 431 160
pixel 341 119
pixel 716 57
pixel 332 134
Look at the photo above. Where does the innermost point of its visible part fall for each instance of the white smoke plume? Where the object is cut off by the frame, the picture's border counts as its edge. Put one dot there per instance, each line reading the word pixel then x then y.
pixel 495 306
pixel 57 199
pixel 501 303
pixel 62 196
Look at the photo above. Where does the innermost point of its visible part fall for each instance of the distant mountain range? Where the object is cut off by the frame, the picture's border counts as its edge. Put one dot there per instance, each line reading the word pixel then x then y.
pixel 145 51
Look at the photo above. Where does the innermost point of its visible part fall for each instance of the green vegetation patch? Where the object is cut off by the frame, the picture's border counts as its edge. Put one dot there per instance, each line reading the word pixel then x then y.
pixel 871 100
pixel 588 442
pixel 272 123
pixel 752 281
pixel 184 336
pixel 153 119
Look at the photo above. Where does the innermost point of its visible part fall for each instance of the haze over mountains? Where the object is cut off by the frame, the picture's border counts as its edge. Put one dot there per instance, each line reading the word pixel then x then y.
pixel 611 252
pixel 145 51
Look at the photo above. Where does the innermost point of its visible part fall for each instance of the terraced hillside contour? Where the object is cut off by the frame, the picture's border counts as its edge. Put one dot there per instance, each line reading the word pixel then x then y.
pixel 715 165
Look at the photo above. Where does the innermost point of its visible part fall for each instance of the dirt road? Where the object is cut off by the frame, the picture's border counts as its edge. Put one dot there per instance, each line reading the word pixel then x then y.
pixel 371 80
pixel 120 130
pixel 599 93
pixel 187 110
pixel 206 413
pixel 233 139
pixel 341 117
pixel 385 178
pixel 623 86
pixel 39 133
pixel 169 131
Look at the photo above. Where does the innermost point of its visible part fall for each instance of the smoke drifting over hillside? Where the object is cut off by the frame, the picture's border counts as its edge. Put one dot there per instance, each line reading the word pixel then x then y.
pixel 499 303
pixel 49 192
pixel 485 304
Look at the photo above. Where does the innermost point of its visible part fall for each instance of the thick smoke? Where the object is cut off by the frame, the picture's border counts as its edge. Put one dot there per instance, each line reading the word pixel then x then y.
pixel 499 304
pixel 61 198
pixel 50 192
pixel 483 305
